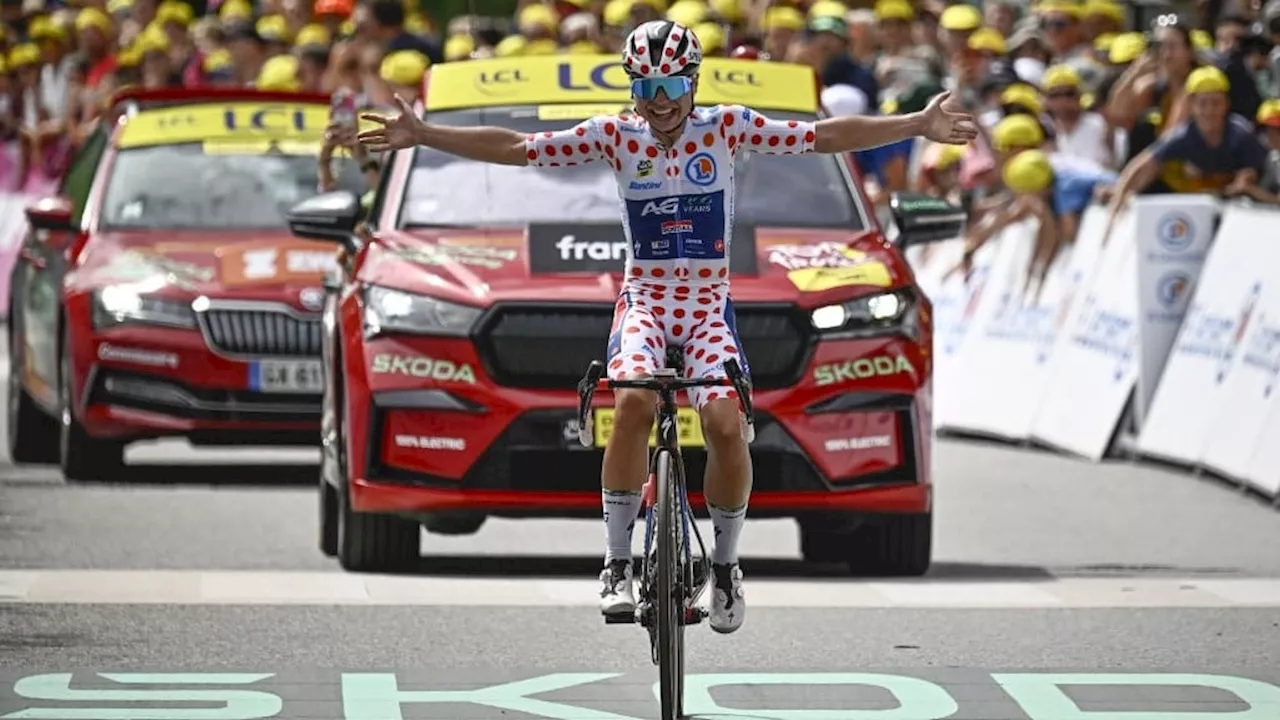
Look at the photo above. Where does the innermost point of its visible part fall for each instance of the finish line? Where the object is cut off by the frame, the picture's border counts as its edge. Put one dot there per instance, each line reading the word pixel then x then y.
pixel 954 694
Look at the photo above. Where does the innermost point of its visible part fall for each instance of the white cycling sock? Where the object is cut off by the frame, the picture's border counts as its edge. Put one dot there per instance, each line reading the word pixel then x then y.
pixel 620 510
pixel 728 528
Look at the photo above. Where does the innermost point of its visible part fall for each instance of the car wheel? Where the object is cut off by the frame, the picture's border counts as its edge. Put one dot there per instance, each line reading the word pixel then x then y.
pixel 33 435
pixel 897 546
pixel 328 518
pixel 825 546
pixel 83 458
pixel 454 523
pixel 368 542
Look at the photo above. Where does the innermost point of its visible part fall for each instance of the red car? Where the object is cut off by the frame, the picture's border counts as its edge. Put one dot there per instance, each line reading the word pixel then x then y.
pixel 455 341
pixel 161 293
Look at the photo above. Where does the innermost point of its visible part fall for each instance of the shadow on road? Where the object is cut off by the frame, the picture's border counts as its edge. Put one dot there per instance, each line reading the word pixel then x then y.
pixel 577 567
pixel 177 474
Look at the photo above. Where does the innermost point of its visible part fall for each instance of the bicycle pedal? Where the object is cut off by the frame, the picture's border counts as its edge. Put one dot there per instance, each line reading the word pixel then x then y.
pixel 620 618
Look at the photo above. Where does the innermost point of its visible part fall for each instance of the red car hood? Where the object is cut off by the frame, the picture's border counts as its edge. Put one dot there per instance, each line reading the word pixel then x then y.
pixel 805 266
pixel 243 264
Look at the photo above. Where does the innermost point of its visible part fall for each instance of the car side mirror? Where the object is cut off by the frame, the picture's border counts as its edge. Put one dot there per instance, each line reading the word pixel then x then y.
pixel 51 214
pixel 330 217
pixel 924 219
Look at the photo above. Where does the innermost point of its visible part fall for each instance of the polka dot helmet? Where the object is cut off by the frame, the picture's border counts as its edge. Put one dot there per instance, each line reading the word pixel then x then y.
pixel 661 49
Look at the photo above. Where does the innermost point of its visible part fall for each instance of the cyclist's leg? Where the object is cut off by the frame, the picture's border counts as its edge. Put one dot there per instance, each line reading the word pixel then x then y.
pixel 728 479
pixel 635 346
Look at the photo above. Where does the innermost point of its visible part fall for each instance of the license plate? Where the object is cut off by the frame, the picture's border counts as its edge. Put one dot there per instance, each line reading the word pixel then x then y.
pixel 688 428
pixel 286 376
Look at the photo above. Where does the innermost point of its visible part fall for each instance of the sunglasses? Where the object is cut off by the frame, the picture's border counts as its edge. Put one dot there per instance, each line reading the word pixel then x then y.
pixel 673 87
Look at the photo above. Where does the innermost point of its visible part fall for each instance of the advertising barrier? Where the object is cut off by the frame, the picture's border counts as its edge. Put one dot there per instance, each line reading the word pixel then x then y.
pixel 1174 234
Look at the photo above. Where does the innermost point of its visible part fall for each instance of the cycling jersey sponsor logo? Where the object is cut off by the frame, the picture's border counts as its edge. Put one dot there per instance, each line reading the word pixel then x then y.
pixel 861 369
pixel 644 185
pixel 701 169
pixel 423 367
pixel 644 168
pixel 694 225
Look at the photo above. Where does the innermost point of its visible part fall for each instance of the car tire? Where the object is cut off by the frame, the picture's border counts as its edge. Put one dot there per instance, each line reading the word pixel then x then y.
pixel 454 523
pixel 32 434
pixel 824 546
pixel 83 458
pixel 366 542
pixel 328 518
pixel 894 546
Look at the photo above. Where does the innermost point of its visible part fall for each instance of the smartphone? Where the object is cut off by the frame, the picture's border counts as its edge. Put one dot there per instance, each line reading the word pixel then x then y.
pixel 342 108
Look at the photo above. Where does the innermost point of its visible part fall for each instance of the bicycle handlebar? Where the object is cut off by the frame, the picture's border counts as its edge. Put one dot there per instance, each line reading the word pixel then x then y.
pixel 594 379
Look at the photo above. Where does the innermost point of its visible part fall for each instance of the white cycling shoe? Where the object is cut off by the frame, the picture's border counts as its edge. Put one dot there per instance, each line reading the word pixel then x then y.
pixel 728 601
pixel 617 591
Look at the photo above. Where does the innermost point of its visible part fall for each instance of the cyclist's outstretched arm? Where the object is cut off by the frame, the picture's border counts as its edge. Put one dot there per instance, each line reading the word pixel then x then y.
pixel 851 133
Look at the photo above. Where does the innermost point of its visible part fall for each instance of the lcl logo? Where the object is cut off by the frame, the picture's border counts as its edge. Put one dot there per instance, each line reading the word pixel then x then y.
pixel 500 82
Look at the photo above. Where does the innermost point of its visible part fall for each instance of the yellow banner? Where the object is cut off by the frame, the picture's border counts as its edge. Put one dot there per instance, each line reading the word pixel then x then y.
pixel 688 428
pixel 227 122
pixel 543 80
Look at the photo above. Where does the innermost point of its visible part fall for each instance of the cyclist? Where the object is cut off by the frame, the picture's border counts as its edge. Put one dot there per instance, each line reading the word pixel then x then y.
pixel 674 165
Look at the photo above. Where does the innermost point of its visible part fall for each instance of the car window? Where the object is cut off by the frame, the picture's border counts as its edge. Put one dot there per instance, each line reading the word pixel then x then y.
pixel 772 190
pixel 78 179
pixel 213 186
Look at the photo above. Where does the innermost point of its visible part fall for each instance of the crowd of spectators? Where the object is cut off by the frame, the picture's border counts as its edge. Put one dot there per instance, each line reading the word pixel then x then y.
pixel 1092 99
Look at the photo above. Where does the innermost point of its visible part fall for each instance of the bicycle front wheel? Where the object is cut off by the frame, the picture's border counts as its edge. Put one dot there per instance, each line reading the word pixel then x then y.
pixel 670 594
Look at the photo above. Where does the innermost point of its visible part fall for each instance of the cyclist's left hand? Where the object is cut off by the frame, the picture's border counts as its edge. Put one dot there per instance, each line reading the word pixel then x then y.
pixel 944 125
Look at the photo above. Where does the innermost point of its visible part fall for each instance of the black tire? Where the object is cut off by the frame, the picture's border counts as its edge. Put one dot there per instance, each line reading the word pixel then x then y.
pixel 896 546
pixel 32 434
pixel 368 542
pixel 328 518
pixel 454 523
pixel 83 458
pixel 670 593
pixel 825 546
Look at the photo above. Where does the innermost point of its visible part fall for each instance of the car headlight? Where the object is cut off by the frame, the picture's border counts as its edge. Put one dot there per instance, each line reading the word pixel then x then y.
pixel 124 304
pixel 387 310
pixel 883 314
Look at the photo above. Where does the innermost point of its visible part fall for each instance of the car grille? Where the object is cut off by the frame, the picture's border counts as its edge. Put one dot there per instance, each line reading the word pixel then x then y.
pixel 550 347
pixel 261 332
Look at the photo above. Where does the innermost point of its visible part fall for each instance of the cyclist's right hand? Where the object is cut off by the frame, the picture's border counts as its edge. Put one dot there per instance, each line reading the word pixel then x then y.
pixel 393 132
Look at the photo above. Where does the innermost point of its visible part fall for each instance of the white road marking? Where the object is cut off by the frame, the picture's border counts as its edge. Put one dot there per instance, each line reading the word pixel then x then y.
pixel 167 587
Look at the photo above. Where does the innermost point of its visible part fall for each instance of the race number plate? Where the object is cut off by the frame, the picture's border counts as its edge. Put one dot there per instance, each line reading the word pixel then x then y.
pixel 286 376
pixel 689 428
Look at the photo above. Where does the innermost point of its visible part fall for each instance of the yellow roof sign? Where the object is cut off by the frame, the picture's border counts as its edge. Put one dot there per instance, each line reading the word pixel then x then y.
pixel 225 121
pixel 543 80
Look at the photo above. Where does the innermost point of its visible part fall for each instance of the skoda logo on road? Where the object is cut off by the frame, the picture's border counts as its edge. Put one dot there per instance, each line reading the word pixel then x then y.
pixel 312 298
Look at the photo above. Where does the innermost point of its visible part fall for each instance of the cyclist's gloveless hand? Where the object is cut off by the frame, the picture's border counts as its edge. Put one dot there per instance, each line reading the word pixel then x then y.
pixel 393 132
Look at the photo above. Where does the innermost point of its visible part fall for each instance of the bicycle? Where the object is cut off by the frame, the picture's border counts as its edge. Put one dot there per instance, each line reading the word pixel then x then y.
pixel 671 582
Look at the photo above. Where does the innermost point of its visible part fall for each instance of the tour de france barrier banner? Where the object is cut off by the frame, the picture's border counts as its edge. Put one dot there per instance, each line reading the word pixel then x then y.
pixel 1217 405
pixel 1174 233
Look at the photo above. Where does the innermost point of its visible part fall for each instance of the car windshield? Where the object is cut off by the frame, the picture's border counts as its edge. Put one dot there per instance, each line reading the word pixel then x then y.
pixel 771 190
pixel 198 186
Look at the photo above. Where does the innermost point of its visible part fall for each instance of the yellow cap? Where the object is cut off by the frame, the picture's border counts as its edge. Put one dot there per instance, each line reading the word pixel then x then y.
pixel 1207 79
pixel 1103 42
pixel 783 17
pixel 279 73
pixel 24 54
pixel 1059 7
pixel 889 106
pixel 960 18
pixel 348 27
pixel 688 12
pixel 175 12
pixel 235 10
pixel 1060 76
pixel 1269 113
pixel 895 10
pixel 273 28
pixel 43 27
pixel 541 47
pixel 312 34
pixel 510 45
pixel 216 61
pixel 1088 100
pixel 539 16
pixel 459 47
pixel 948 156
pixel 1126 47
pixel 1104 9
pixel 404 67
pixel 1023 96
pixel 583 47
pixel 92 17
pixel 659 5
pixel 417 24
pixel 987 40
pixel 118 6
pixel 1201 39
pixel 1028 172
pixel 130 57
pixel 728 10
pixel 710 35
pixel 153 38
pixel 1017 132
pixel 828 8
pixel 617 13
